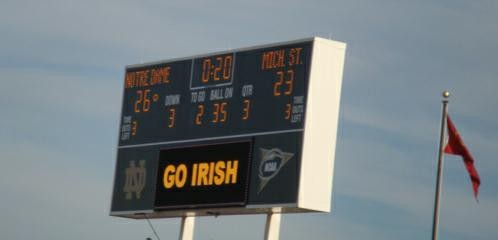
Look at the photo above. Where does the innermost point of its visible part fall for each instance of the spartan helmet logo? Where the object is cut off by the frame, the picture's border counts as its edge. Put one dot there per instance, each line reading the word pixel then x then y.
pixel 272 160
pixel 135 179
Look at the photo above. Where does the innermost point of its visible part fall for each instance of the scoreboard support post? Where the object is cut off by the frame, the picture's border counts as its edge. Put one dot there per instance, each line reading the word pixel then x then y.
pixel 272 229
pixel 187 228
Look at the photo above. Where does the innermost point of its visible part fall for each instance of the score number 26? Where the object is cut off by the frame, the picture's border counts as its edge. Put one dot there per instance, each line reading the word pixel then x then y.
pixel 142 104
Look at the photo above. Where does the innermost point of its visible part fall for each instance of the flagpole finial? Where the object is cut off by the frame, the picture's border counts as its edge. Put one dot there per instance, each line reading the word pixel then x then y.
pixel 446 94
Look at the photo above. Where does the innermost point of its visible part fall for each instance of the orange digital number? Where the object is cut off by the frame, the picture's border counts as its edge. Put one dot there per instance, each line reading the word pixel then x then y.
pixel 200 113
pixel 224 113
pixel 278 83
pixel 281 79
pixel 138 101
pixel 289 82
pixel 247 105
pixel 217 70
pixel 216 112
pixel 227 67
pixel 134 126
pixel 146 105
pixel 206 70
pixel 172 117
pixel 220 113
pixel 143 101
pixel 288 111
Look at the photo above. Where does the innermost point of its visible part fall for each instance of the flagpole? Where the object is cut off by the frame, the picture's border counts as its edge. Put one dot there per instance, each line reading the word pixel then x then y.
pixel 440 165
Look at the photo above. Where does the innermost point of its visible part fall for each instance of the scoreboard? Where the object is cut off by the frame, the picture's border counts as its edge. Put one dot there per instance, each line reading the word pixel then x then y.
pixel 236 132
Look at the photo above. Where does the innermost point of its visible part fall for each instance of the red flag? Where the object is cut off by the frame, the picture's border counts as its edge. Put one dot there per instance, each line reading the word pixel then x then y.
pixel 456 146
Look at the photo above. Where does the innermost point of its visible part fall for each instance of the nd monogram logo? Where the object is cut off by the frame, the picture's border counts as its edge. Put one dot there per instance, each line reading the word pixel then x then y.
pixel 135 179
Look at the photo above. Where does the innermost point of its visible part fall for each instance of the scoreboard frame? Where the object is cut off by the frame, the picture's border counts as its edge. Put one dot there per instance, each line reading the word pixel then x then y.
pixel 313 165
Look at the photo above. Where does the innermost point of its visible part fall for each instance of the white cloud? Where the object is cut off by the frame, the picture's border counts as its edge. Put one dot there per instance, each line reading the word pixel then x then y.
pixel 464 216
pixel 40 91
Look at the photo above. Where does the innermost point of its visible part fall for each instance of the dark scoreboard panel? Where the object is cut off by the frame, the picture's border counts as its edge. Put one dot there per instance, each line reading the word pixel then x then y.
pixel 220 133
pixel 219 95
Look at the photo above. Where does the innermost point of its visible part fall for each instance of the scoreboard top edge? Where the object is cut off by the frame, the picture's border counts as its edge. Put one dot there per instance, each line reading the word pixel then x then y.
pixel 337 44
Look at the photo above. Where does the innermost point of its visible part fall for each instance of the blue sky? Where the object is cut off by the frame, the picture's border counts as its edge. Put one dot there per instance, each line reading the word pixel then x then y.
pixel 61 72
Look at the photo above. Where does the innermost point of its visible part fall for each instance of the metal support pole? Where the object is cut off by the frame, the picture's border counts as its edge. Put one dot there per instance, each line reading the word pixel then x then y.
pixel 272 230
pixel 440 165
pixel 187 228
